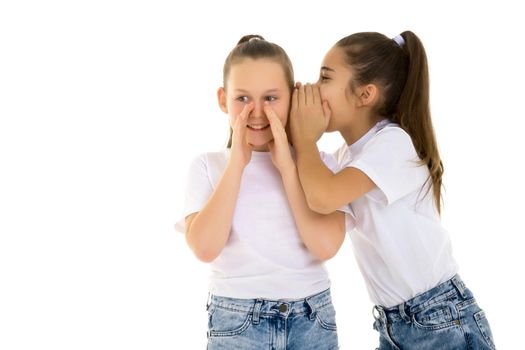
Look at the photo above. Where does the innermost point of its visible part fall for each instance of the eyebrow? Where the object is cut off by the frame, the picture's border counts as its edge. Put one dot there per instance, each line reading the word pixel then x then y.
pixel 327 68
pixel 266 92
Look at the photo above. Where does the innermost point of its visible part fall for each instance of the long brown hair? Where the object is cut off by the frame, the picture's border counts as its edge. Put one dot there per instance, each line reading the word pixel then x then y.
pixel 399 68
pixel 255 47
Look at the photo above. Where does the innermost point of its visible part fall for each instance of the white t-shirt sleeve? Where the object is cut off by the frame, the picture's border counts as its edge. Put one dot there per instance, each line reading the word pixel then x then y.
pixel 390 160
pixel 198 189
pixel 331 162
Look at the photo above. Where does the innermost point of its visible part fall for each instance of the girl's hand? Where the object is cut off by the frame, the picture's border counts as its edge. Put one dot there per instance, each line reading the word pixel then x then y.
pixel 279 147
pixel 241 150
pixel 309 115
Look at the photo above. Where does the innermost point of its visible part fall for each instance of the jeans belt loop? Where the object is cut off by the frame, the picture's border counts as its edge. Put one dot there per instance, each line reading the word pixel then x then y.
pixel 402 312
pixel 257 311
pixel 313 310
pixel 379 314
pixel 460 286
pixel 208 301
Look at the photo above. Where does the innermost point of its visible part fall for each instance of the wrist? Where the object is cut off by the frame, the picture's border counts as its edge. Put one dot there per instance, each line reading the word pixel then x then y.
pixel 235 167
pixel 305 146
pixel 288 170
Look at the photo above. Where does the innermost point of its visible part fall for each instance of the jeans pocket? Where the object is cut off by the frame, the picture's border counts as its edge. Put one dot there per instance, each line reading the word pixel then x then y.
pixel 436 316
pixel 484 328
pixel 325 316
pixel 224 322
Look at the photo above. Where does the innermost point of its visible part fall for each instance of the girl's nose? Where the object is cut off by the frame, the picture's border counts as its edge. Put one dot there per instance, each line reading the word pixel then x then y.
pixel 258 110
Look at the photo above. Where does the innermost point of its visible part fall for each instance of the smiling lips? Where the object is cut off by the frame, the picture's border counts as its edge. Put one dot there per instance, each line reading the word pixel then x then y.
pixel 258 127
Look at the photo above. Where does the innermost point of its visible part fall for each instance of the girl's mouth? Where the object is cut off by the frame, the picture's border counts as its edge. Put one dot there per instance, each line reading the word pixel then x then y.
pixel 258 127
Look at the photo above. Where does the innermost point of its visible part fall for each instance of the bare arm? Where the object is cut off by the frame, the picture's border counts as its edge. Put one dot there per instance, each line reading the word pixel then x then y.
pixel 325 191
pixel 208 230
pixel 323 235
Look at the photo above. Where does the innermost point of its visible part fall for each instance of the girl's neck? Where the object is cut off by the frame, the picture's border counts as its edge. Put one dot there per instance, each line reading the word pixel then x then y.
pixel 359 128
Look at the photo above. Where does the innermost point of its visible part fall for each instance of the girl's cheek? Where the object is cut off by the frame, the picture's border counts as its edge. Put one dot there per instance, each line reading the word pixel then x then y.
pixel 232 121
pixel 235 108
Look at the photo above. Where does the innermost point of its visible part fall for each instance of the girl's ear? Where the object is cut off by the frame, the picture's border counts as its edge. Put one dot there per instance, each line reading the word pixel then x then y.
pixel 368 95
pixel 221 97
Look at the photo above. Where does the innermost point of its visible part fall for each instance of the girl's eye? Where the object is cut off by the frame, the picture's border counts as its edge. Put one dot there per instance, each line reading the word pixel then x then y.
pixel 323 78
pixel 270 98
pixel 242 99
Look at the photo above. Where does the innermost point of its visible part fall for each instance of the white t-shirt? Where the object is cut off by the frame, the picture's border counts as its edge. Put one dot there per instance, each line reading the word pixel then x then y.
pixel 399 242
pixel 264 256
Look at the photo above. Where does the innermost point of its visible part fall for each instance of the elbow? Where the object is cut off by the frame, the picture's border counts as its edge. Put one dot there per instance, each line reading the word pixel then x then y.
pixel 202 250
pixel 319 205
pixel 328 246
pixel 326 253
pixel 204 254
pixel 322 209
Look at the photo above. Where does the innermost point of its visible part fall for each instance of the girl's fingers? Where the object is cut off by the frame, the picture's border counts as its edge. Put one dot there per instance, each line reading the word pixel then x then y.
pixel 241 122
pixel 317 93
pixel 295 100
pixel 301 96
pixel 295 95
pixel 275 123
pixel 309 95
pixel 243 116
pixel 246 111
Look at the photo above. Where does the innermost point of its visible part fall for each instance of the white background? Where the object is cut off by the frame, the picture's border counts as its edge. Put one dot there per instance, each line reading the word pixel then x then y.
pixel 104 103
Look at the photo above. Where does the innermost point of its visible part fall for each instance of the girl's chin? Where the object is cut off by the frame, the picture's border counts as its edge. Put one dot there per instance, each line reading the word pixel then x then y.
pixel 260 145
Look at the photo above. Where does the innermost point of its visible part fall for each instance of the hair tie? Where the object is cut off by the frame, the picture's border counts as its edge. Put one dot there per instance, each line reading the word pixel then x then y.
pixel 254 38
pixel 399 40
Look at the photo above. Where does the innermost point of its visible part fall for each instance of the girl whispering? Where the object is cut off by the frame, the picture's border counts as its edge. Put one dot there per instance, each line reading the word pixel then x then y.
pixel 375 91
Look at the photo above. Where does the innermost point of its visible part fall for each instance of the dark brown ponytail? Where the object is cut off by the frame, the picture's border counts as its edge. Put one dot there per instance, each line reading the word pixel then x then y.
pixel 399 67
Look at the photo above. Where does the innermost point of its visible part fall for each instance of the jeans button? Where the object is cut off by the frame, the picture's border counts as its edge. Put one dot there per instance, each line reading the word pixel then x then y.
pixel 283 308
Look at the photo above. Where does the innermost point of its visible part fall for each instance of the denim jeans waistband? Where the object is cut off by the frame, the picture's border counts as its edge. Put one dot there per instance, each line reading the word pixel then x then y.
pixel 446 290
pixel 274 307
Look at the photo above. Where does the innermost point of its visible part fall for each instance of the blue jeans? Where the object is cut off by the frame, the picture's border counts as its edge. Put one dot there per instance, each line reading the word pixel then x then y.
pixel 445 317
pixel 252 324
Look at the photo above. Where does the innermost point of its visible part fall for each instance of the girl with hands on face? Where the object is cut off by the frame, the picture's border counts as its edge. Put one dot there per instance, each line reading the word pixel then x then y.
pixel 374 91
pixel 246 215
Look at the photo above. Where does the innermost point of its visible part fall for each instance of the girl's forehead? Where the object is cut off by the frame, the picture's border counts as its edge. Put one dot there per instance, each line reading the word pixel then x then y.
pixel 263 73
pixel 248 65
pixel 335 62
pixel 334 56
